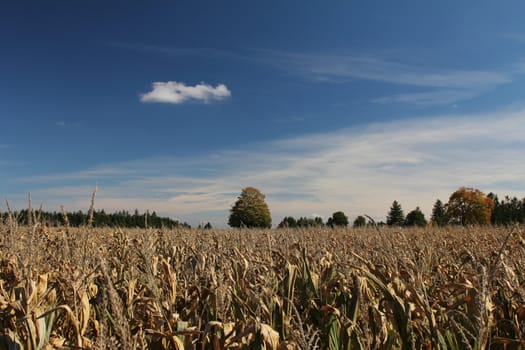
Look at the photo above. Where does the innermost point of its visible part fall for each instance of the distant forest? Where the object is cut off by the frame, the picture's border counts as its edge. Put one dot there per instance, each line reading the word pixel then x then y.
pixel 100 219
pixel 468 208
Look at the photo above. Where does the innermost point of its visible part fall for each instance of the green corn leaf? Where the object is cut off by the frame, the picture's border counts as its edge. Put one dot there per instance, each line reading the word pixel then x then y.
pixel 333 332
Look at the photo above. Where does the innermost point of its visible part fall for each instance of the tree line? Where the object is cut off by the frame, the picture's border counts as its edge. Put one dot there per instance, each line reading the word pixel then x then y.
pixel 465 206
pixel 100 219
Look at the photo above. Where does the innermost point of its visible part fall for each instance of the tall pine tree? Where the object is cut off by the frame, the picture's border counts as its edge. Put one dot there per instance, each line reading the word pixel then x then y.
pixel 395 217
pixel 438 214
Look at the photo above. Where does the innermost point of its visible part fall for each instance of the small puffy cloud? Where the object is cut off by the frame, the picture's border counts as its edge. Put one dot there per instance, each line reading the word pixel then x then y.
pixel 175 92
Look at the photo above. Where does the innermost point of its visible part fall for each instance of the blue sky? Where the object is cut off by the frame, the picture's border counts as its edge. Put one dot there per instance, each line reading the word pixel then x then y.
pixel 175 106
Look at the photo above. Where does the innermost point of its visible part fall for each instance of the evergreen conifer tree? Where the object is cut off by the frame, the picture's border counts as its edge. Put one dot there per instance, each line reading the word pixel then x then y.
pixel 395 217
pixel 438 214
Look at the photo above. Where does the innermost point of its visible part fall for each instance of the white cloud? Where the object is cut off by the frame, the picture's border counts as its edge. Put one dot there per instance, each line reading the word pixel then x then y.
pixel 433 97
pixel 433 85
pixel 358 171
pixel 374 67
pixel 175 92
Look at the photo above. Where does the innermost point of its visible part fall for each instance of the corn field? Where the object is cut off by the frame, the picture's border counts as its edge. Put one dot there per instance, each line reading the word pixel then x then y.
pixel 428 288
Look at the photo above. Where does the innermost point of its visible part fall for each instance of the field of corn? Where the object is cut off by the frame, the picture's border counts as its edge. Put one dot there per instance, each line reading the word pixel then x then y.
pixel 427 288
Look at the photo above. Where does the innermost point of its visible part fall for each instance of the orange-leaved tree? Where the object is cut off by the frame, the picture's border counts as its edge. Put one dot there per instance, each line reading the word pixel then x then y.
pixel 469 206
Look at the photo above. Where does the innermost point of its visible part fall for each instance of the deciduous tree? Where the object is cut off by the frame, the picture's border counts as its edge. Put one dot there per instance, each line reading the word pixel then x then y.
pixel 416 218
pixel 338 219
pixel 359 221
pixel 288 221
pixel 469 206
pixel 310 222
pixel 250 210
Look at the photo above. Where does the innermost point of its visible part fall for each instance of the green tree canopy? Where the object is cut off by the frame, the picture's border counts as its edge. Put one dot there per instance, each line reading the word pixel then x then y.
pixel 208 226
pixel 469 206
pixel 121 218
pixel 438 214
pixel 338 219
pixel 395 216
pixel 250 210
pixel 416 218
pixel 509 210
pixel 359 221
pixel 310 222
pixel 288 221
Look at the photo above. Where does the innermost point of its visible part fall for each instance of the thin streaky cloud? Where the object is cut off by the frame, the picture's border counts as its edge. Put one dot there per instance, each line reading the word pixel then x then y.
pixel 434 97
pixel 177 93
pixel 370 67
pixel 207 52
pixel 344 66
pixel 434 85
pixel 358 171
pixel 104 173
pixel 448 85
pixel 516 37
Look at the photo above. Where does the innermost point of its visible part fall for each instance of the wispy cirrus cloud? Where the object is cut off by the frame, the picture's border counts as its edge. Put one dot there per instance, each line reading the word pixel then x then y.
pixel 431 97
pixel 355 170
pixel 369 67
pixel 516 37
pixel 174 51
pixel 177 93
pixel 434 85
